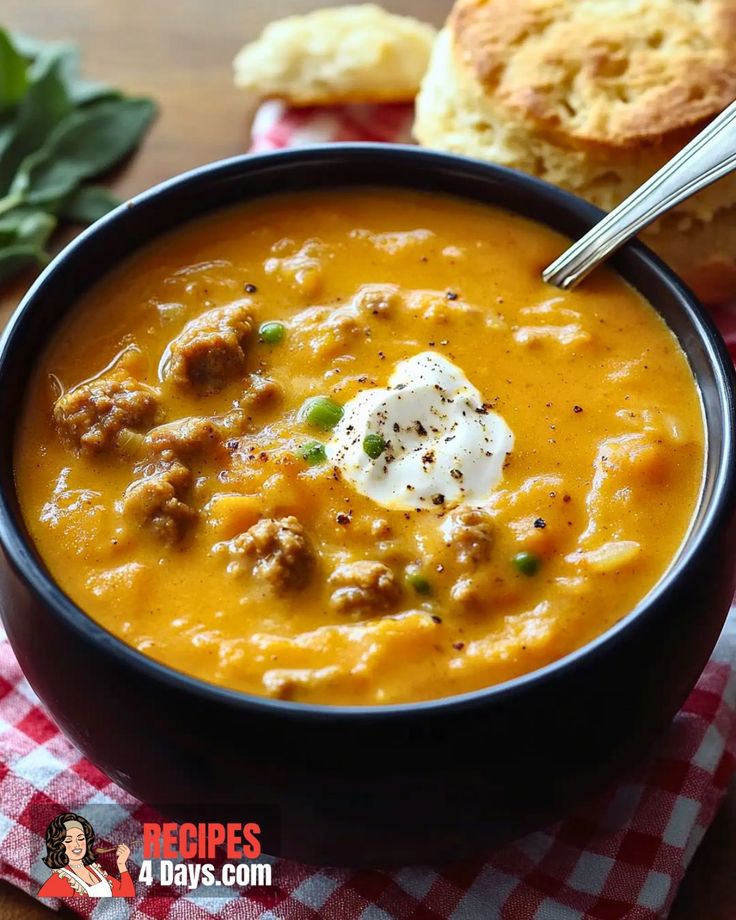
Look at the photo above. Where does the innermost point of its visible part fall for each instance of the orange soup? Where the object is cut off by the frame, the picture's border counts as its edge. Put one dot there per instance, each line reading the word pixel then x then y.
pixel 348 448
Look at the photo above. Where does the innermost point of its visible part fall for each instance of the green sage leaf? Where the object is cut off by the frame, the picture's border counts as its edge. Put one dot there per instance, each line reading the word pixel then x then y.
pixel 81 91
pixel 88 141
pixel 16 258
pixel 13 77
pixel 23 236
pixel 57 130
pixel 26 225
pixel 43 107
pixel 87 204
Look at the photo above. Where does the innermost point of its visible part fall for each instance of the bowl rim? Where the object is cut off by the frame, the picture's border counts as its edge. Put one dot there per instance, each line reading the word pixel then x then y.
pixel 21 556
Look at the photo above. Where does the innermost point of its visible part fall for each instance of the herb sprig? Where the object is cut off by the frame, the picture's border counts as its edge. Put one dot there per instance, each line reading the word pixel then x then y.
pixel 57 131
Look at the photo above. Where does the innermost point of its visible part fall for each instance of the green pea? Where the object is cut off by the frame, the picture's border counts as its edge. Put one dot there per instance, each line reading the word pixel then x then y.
pixel 416 580
pixel 320 412
pixel 313 452
pixel 527 563
pixel 374 445
pixel 272 333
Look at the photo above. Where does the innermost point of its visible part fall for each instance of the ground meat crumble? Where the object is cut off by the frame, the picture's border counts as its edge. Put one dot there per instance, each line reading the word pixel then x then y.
pixel 277 551
pixel 91 416
pixel 470 532
pixel 156 501
pixel 210 350
pixel 363 588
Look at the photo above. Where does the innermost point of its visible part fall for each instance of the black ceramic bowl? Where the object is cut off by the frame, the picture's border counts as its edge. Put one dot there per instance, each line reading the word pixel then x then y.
pixel 404 783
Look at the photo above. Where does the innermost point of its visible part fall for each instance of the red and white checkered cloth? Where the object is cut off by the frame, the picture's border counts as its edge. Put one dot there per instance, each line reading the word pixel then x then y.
pixel 621 858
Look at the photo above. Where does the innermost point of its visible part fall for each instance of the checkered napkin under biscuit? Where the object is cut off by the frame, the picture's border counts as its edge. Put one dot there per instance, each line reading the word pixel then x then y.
pixel 622 857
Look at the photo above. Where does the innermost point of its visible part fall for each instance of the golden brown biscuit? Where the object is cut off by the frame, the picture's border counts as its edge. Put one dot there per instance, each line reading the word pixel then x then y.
pixel 339 55
pixel 593 96
pixel 592 72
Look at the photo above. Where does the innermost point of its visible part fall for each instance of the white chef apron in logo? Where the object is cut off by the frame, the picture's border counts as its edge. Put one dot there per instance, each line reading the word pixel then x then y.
pixel 100 889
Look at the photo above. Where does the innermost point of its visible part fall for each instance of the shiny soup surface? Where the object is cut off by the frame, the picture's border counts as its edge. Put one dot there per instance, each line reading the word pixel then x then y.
pixel 348 448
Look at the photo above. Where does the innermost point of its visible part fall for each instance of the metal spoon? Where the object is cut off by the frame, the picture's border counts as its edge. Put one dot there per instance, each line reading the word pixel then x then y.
pixel 709 156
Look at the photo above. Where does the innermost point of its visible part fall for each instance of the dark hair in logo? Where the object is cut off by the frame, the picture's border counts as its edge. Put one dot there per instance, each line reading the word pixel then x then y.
pixel 56 857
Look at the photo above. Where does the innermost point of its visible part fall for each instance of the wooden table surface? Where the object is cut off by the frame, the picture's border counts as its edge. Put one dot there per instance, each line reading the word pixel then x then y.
pixel 180 53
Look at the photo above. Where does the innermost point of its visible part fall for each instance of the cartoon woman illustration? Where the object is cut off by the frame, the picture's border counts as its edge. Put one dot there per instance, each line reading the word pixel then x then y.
pixel 69 840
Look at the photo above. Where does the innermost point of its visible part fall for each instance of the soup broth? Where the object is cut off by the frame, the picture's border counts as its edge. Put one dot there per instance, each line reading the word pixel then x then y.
pixel 348 448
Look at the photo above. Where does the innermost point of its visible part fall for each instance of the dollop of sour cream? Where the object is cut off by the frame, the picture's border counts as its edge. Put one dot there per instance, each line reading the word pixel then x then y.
pixel 441 444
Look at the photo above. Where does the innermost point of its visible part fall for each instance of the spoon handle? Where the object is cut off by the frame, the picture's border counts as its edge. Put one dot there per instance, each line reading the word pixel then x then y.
pixel 709 156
